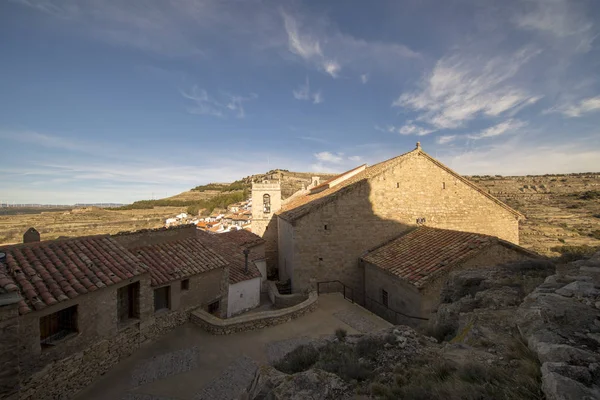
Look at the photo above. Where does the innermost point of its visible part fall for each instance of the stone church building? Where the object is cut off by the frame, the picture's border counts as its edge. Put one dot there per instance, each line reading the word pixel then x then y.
pixel 320 233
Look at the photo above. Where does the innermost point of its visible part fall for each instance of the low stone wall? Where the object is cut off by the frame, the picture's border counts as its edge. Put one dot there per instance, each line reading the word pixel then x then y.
pixel 218 326
pixel 284 300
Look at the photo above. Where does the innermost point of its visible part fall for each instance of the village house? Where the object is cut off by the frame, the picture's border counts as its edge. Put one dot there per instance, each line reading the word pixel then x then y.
pixel 72 308
pixel 319 234
pixel 407 273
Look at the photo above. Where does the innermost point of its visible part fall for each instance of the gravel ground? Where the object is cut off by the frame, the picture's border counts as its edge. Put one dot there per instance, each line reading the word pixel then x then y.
pixel 232 381
pixel 356 321
pixel 165 365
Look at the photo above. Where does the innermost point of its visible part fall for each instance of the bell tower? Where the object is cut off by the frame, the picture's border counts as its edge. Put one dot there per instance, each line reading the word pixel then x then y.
pixel 266 201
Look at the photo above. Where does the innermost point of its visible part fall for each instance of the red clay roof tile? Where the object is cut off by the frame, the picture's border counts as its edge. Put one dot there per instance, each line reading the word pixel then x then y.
pixel 48 272
pixel 424 252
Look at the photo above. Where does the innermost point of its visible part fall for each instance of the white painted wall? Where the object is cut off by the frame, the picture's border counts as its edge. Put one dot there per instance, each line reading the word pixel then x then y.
pixel 262 268
pixel 243 296
pixel 285 245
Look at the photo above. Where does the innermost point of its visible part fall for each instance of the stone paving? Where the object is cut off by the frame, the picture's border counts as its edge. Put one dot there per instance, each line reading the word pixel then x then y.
pixel 231 383
pixel 166 365
pixel 191 364
pixel 357 320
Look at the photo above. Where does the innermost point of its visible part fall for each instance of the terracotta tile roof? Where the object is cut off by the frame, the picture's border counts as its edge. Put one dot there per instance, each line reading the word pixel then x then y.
pixel 49 272
pixel 178 259
pixel 301 205
pixel 232 253
pixel 421 254
pixel 244 238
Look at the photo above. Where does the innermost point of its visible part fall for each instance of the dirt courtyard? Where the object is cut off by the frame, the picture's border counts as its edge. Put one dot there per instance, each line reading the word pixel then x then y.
pixel 189 363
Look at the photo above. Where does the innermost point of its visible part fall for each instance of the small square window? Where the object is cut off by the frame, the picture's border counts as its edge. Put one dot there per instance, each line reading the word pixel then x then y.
pixel 162 298
pixel 57 326
pixel 443 185
pixel 384 297
pixel 325 226
pixel 185 284
pixel 397 185
pixel 320 258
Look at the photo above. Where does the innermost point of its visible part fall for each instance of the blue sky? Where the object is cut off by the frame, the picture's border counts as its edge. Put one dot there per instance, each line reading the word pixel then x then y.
pixel 109 100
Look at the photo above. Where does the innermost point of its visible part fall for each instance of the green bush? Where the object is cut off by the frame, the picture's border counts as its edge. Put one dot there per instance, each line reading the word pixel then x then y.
pixel 574 253
pixel 219 201
pixel 590 195
pixel 595 234
pixel 300 359
pixel 369 346
pixel 237 185
pixel 341 334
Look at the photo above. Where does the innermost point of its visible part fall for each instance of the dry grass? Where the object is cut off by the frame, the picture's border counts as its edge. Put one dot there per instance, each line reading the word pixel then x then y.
pixel 82 222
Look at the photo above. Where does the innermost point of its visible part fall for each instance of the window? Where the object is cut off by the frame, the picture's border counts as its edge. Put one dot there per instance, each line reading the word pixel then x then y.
pixel 266 203
pixel 128 302
pixel 397 185
pixel 185 284
pixel 325 226
pixel 57 326
pixel 384 297
pixel 162 297
pixel 213 307
pixel 443 185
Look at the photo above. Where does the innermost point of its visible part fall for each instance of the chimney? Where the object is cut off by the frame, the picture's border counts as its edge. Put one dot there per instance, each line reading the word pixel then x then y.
pixel 246 252
pixel 31 236
pixel 419 145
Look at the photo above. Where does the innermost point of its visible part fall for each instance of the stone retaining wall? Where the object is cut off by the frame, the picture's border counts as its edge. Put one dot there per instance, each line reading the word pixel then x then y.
pixel 284 300
pixel 218 326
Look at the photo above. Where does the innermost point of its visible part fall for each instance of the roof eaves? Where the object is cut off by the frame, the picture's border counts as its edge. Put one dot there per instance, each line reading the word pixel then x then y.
pixel 473 186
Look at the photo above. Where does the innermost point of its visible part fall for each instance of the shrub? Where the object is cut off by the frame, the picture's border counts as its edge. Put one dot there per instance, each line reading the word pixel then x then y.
pixel 590 195
pixel 595 234
pixel 574 253
pixel 341 333
pixel 368 346
pixel 339 359
pixel 300 359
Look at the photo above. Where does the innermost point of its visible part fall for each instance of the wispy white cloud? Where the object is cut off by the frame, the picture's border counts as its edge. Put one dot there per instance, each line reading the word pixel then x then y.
pixel 303 92
pixel 407 129
pixel 355 158
pixel 364 78
pixel 584 106
pixel 445 139
pixel 317 97
pixel 499 129
pixel 332 68
pixel 329 50
pixel 411 129
pixel 461 88
pixel 227 104
pixel 515 157
pixel 326 156
pixel 560 19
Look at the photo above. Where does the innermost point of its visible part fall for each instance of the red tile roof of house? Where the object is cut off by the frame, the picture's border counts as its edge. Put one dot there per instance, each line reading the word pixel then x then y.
pixel 301 205
pixel 178 259
pixel 230 250
pixel 49 272
pixel 419 255
pixel 244 238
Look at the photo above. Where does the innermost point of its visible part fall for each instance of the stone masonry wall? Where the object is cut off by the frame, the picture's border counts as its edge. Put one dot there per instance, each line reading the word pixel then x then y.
pixel 9 349
pixel 265 224
pixel 329 240
pixel 60 371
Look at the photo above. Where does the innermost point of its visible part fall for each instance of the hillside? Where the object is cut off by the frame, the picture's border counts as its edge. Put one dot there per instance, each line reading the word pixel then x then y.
pixel 560 209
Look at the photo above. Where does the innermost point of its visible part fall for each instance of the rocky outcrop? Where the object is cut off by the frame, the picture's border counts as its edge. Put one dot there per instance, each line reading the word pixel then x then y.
pixel 561 322
pixel 486 294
